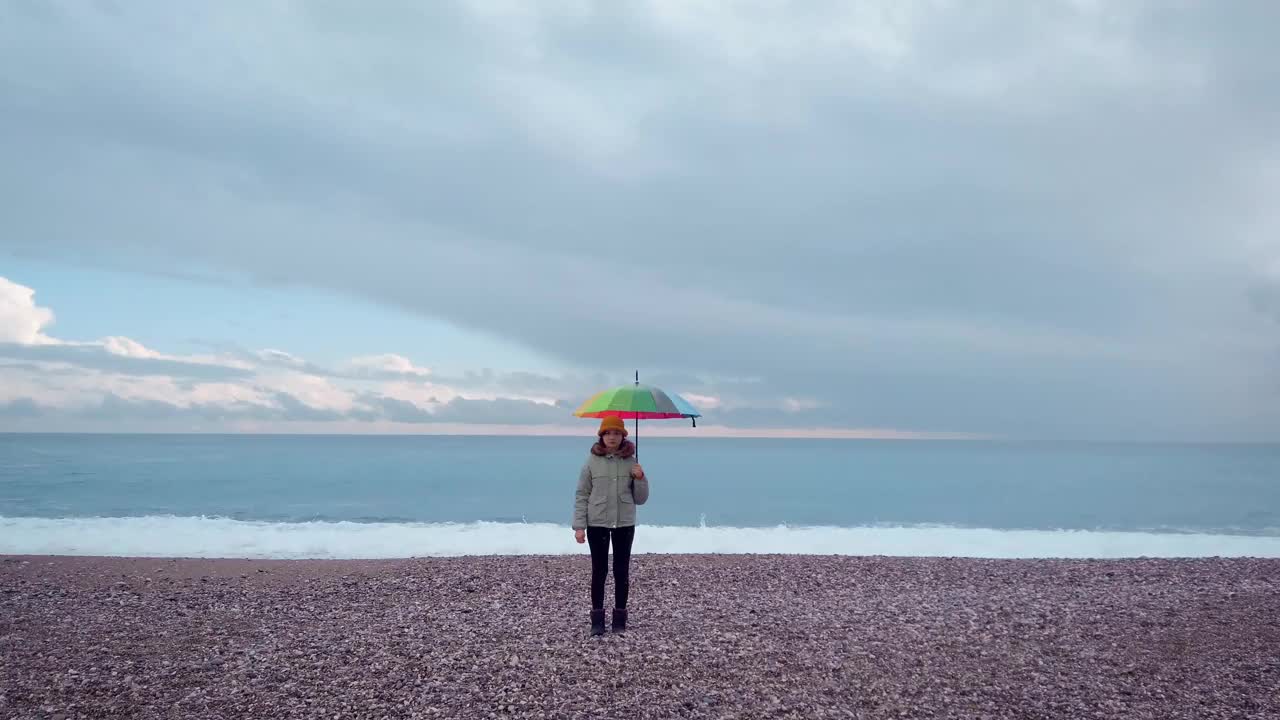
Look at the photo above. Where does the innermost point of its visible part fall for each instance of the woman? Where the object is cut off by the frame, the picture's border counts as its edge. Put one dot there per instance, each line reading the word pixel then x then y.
pixel 610 487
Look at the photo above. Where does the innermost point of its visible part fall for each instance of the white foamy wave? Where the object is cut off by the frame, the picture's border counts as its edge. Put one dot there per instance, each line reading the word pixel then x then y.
pixel 167 536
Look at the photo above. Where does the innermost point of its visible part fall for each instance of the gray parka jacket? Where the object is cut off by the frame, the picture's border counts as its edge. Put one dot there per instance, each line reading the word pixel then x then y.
pixel 607 496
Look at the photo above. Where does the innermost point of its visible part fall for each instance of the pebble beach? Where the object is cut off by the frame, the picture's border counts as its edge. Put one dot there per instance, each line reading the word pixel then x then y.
pixel 710 636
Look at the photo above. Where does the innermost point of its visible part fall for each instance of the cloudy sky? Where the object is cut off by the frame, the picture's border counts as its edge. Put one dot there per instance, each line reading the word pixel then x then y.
pixel 1012 219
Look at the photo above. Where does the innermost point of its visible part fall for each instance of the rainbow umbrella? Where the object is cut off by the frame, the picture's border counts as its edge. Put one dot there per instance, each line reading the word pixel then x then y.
pixel 638 402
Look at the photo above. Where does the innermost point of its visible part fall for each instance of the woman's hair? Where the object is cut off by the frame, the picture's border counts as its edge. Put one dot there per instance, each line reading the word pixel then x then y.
pixel 625 450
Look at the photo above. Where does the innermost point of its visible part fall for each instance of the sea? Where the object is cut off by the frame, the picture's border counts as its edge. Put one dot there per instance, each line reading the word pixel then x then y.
pixel 360 496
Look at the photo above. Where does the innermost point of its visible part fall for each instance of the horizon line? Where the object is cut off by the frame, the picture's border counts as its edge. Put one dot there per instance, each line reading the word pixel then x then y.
pixel 740 434
pixel 479 430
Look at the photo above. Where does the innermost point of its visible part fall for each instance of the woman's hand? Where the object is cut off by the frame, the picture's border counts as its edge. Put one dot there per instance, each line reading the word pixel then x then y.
pixel 580 536
pixel 637 472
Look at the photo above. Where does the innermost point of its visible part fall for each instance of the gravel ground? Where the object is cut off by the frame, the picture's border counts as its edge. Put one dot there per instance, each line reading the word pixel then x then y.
pixel 710 637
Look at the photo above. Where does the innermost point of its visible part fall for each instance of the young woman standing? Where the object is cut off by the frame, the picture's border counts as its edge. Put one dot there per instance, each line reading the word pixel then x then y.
pixel 610 487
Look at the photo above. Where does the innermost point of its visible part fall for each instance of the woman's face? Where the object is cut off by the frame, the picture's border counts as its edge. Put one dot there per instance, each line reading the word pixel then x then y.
pixel 612 439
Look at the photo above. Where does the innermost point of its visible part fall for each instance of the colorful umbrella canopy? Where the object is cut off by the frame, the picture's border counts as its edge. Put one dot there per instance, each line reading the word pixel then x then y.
pixel 637 402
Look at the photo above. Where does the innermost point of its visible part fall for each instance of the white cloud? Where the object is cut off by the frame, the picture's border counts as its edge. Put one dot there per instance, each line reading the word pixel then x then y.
pixel 22 323
pixel 795 404
pixel 224 394
pixel 120 375
pixel 386 364
pixel 128 348
pixel 21 320
pixel 315 392
pixel 59 386
pixel 280 357
pixel 121 346
pixel 703 402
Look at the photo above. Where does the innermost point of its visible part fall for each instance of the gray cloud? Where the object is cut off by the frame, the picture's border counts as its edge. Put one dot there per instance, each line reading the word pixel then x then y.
pixel 291 408
pixel 1018 220
pixel 114 407
pixel 97 358
pixel 502 411
pixel 20 408
pixel 276 358
pixel 107 409
pixel 371 407
pixel 395 410
pixel 1265 296
pixel 568 388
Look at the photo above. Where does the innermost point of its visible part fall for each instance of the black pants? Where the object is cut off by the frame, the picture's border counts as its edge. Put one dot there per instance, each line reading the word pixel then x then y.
pixel 598 538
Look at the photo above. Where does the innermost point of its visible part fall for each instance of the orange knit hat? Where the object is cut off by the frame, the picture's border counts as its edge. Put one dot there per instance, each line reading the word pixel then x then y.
pixel 612 423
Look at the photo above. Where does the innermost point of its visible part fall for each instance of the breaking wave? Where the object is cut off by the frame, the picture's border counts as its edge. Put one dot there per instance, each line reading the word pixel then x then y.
pixel 214 537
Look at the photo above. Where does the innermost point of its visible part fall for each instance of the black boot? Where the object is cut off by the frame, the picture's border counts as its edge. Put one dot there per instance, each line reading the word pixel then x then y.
pixel 619 620
pixel 597 622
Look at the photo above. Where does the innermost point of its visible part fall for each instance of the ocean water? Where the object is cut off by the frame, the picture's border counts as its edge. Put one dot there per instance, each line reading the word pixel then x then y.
pixel 401 496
